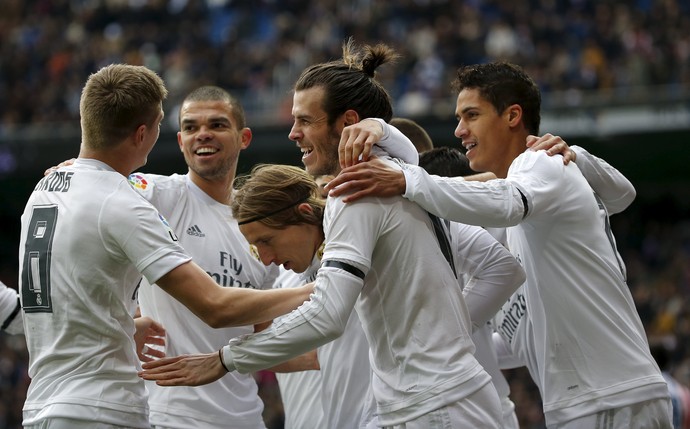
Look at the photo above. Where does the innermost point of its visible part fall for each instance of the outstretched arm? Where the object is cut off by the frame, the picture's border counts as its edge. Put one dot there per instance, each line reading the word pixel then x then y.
pixel 220 307
pixel 315 323
pixel 374 177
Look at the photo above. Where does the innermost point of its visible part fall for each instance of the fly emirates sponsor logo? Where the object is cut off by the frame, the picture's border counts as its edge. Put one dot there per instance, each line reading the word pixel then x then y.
pixel 511 314
pixel 229 271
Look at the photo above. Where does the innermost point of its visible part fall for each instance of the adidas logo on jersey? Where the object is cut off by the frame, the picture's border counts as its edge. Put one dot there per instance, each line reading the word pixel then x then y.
pixel 194 230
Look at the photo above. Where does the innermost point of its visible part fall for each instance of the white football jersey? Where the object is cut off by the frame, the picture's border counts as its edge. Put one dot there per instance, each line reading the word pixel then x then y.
pixel 301 390
pixel 86 240
pixel 410 305
pixel 209 233
pixel 581 338
pixel 481 259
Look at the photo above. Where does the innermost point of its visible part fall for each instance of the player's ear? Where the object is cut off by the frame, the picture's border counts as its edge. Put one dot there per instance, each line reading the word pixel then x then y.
pixel 246 135
pixel 305 208
pixel 179 141
pixel 513 114
pixel 351 117
pixel 140 135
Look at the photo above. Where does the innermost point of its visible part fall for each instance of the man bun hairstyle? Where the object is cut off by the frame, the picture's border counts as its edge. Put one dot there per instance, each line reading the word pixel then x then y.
pixel 350 82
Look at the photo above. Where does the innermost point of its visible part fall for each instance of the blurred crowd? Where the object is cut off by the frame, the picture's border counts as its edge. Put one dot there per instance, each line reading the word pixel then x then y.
pixel 256 48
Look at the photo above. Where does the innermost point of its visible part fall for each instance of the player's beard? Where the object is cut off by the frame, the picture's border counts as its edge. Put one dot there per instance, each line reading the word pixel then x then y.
pixel 329 163
pixel 215 171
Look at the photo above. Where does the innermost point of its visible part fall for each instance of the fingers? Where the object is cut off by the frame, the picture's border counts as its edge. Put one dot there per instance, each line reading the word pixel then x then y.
pixel 351 146
pixel 62 164
pixel 356 141
pixel 155 340
pixel 346 182
pixel 344 176
pixel 568 156
pixel 161 363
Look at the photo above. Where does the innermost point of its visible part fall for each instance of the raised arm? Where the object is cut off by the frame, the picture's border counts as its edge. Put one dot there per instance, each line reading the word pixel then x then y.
pixel 493 272
pixel 614 189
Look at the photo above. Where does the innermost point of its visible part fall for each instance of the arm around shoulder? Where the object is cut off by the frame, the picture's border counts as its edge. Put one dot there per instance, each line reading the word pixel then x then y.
pixel 615 190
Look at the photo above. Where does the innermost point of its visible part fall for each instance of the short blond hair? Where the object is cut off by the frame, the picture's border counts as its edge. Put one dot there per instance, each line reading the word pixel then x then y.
pixel 116 100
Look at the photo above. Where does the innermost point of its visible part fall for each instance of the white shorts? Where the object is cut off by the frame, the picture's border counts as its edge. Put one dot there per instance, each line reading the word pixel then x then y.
pixel 653 414
pixel 480 410
pixel 66 423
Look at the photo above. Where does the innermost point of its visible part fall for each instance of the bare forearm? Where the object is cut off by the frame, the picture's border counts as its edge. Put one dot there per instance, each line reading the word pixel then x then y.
pixel 221 307
pixel 251 307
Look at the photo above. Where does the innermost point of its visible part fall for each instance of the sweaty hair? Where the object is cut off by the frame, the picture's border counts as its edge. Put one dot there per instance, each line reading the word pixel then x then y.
pixel 116 100
pixel 415 132
pixel 214 93
pixel 271 194
pixel 503 84
pixel 445 161
pixel 350 83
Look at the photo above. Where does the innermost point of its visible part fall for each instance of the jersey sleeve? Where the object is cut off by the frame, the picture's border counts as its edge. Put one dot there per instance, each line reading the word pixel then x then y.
pixel 614 189
pixel 494 273
pixel 316 322
pixel 132 228
pixel 158 190
pixel 396 144
pixel 496 203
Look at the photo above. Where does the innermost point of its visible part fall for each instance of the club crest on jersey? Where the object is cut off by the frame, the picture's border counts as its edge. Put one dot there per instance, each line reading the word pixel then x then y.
pixel 168 227
pixel 138 181
pixel 255 252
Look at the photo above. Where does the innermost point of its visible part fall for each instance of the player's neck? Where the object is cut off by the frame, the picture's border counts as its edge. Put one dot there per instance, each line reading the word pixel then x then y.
pixel 219 189
pixel 113 158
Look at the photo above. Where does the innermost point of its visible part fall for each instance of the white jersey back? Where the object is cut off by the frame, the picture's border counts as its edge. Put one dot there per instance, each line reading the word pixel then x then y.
pixel 87 238
pixel 208 232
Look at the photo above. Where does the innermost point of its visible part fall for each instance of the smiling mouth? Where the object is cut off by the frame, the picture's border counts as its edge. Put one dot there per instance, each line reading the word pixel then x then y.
pixel 470 146
pixel 205 151
pixel 306 151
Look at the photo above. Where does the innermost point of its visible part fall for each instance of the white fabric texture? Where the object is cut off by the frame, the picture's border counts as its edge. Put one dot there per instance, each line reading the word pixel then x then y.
pixel 78 304
pixel 395 144
pixel 301 391
pixel 411 308
pixel 580 309
pixel 207 230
